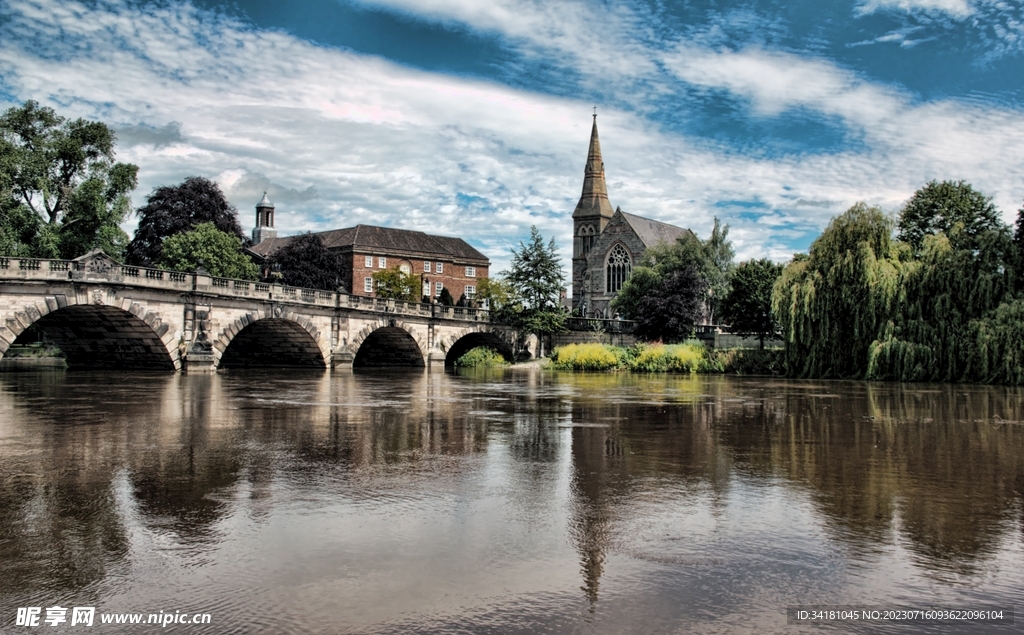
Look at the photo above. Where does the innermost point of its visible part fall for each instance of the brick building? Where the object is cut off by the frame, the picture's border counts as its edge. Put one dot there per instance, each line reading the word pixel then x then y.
pixel 607 243
pixel 440 262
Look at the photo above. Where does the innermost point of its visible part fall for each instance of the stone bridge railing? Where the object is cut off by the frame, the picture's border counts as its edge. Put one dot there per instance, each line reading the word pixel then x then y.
pixel 106 270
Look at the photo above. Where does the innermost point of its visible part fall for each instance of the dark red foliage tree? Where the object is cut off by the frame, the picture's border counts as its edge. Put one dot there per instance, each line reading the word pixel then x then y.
pixel 171 210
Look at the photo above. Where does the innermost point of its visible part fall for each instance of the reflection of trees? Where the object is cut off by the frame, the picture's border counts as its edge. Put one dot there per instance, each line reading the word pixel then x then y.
pixel 936 463
pixel 59 525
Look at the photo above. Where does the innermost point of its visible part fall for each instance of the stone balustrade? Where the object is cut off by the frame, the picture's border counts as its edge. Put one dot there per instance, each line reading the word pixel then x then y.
pixel 42 270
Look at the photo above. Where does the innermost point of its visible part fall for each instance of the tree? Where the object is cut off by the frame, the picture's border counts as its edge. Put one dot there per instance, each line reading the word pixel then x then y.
pixel 60 185
pixel 703 268
pixel 535 281
pixel 171 210
pixel 938 207
pixel 445 297
pixel 306 262
pixel 668 311
pixel 748 306
pixel 835 303
pixel 218 252
pixel 394 284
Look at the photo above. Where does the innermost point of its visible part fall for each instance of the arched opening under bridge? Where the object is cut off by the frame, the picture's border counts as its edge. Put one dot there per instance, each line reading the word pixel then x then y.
pixel 99 336
pixel 389 346
pixel 273 343
pixel 472 340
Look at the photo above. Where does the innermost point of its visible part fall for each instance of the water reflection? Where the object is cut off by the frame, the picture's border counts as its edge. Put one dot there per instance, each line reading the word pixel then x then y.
pixel 596 493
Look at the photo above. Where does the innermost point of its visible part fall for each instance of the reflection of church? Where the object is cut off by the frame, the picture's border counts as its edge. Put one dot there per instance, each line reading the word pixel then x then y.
pixel 607 244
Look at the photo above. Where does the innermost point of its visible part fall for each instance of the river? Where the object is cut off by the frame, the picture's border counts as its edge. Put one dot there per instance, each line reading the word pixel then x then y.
pixel 505 501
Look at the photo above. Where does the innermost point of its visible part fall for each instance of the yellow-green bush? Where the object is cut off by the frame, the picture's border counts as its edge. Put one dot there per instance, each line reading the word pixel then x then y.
pixel 673 358
pixel 585 357
pixel 481 356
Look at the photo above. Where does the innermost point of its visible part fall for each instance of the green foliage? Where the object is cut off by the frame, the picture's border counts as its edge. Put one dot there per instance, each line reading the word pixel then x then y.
pixel 533 285
pixel 481 357
pixel 306 262
pixel 64 175
pixel 677 286
pixel 176 209
pixel 745 361
pixel 218 252
pixel 834 304
pixel 748 306
pixel 586 357
pixel 943 308
pixel 661 358
pixel 396 285
pixel 939 207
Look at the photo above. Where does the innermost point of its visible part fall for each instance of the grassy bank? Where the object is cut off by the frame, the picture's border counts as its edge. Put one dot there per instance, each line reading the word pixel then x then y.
pixel 688 357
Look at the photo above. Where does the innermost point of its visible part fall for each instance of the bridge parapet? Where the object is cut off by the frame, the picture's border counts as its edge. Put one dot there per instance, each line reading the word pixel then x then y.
pixel 98 267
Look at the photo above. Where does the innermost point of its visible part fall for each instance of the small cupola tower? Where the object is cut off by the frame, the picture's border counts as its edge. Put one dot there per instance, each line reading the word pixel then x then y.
pixel 264 221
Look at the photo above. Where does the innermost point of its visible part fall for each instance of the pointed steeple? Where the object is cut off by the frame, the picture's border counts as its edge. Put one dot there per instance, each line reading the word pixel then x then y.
pixel 594 199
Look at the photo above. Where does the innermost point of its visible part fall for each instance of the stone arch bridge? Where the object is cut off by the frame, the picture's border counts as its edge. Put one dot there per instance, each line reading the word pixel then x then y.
pixel 104 314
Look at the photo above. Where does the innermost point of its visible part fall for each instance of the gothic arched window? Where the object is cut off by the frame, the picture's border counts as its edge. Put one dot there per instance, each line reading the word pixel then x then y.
pixel 587 238
pixel 619 266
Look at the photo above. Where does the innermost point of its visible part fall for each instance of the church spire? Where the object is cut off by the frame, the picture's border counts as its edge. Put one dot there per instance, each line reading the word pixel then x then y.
pixel 594 199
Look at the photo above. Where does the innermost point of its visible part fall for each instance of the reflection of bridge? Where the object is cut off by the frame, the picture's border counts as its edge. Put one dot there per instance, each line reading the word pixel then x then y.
pixel 106 315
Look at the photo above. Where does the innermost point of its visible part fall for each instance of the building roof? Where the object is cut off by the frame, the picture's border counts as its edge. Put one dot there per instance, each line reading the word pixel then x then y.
pixel 594 198
pixel 386 240
pixel 264 202
pixel 652 232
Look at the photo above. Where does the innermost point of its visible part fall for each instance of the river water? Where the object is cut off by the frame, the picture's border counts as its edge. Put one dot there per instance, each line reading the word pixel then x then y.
pixel 515 500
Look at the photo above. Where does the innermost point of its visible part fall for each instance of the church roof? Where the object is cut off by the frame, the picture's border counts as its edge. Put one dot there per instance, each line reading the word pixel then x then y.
pixel 594 199
pixel 652 232
pixel 389 240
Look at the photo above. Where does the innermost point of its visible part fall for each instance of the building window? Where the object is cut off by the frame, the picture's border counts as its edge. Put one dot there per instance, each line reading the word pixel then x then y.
pixel 426 266
pixel 437 288
pixel 426 289
pixel 587 239
pixel 382 262
pixel 470 272
pixel 405 268
pixel 470 291
pixel 619 267
pixel 439 268
pixel 369 262
pixel 368 285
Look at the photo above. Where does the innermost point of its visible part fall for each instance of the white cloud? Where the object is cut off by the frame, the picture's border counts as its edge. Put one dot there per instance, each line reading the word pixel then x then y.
pixel 957 8
pixel 340 138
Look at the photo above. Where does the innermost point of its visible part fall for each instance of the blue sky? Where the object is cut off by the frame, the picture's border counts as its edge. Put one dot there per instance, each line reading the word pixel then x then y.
pixel 472 118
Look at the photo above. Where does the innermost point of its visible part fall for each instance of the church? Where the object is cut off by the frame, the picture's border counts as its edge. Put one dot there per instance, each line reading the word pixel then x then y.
pixel 606 243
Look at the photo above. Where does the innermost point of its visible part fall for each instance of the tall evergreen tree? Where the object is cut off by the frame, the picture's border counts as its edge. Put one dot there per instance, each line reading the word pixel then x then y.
pixel 175 209
pixel 535 281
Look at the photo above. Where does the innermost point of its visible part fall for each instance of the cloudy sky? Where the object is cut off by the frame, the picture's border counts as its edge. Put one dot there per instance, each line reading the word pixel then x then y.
pixel 472 117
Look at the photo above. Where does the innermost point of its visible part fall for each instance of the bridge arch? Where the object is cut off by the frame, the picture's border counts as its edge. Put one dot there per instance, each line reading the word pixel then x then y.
pixel 388 343
pixel 269 341
pixel 99 335
pixel 462 341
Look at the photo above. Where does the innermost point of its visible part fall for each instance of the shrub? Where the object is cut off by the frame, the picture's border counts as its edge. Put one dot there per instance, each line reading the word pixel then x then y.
pixel 585 357
pixel 480 357
pixel 675 358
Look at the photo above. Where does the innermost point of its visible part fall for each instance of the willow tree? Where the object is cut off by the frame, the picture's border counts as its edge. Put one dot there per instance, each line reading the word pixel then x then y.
pixel 835 303
pixel 949 326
